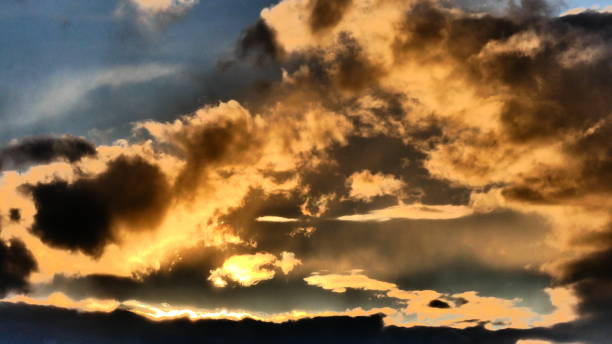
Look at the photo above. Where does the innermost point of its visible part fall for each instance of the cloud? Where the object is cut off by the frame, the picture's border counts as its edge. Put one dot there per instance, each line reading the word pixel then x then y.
pixel 43 150
pixel 16 265
pixel 412 211
pixel 513 107
pixel 503 91
pixel 461 310
pixel 248 270
pixel 133 328
pixel 192 162
pixel 64 92
pixel 274 219
pixel 579 10
pixel 259 40
pixel 85 215
pixel 356 280
pixel 364 185
pixel 60 300
pixel 326 14
pixel 157 6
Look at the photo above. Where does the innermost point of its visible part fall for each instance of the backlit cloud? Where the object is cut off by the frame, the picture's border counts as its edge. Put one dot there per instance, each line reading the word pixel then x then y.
pixel 248 270
pixel 453 158
pixel 365 185
pixel 412 211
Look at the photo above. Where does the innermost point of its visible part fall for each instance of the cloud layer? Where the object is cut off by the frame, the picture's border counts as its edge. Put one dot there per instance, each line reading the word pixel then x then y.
pixel 385 144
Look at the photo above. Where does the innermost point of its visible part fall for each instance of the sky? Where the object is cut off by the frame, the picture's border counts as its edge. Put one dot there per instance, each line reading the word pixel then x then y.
pixel 298 171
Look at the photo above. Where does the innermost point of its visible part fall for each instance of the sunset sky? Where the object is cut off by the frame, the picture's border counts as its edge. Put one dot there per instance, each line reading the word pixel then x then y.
pixel 306 171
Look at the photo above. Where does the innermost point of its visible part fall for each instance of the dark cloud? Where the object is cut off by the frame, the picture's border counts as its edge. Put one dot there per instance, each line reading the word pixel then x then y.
pixel 15 215
pixel 348 69
pixel 85 215
pixel 333 78
pixel 45 149
pixel 438 304
pixel 259 41
pixel 325 14
pixel 35 324
pixel 211 145
pixel 354 71
pixel 591 279
pixel 529 9
pixel 189 287
pixel 550 94
pixel 16 265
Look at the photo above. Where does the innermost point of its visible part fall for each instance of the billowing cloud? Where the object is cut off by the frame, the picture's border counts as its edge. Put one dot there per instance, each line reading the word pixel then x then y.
pixel 86 214
pixel 431 308
pixel 60 300
pixel 326 14
pixel 132 328
pixel 395 137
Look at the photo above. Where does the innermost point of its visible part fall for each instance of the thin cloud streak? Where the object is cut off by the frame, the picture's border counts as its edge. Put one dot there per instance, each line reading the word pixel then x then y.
pixel 63 93
pixel 412 211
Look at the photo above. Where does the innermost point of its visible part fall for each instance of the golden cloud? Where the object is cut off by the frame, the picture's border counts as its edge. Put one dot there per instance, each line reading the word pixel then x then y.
pixel 250 269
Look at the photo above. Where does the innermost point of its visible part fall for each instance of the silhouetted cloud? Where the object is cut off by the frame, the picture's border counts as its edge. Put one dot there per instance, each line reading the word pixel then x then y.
pixel 259 40
pixel 14 215
pixel 85 215
pixel 16 265
pixel 45 149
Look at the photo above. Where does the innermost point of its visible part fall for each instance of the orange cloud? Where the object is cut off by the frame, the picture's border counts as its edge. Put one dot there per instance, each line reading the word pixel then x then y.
pixel 60 300
pixel 456 310
pixel 168 312
pixel 364 185
pixel 250 269
pixel 274 219
pixel 412 211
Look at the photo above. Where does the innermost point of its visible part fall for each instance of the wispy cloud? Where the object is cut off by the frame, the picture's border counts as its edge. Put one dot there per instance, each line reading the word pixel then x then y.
pixel 160 6
pixel 412 211
pixel 275 219
pixel 67 91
